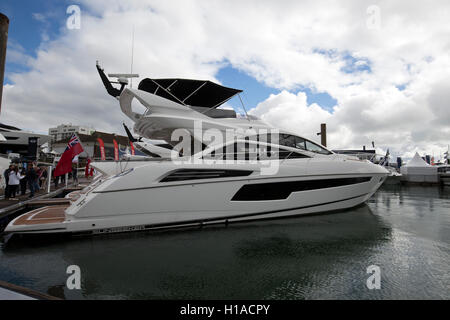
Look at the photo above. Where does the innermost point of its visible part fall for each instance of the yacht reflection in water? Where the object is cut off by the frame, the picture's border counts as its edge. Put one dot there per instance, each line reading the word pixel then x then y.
pixel 248 260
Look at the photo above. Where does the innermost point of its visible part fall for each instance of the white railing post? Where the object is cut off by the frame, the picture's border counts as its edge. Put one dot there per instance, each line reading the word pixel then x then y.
pixel 49 178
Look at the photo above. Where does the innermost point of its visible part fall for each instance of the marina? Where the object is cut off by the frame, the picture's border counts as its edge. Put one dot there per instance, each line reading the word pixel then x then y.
pixel 205 176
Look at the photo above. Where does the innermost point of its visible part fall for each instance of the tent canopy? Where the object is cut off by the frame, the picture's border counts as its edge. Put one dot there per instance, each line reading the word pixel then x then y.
pixel 417 161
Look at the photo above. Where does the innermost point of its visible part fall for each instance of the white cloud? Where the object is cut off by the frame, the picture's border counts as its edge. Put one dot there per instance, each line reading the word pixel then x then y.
pixel 284 44
pixel 39 17
pixel 291 112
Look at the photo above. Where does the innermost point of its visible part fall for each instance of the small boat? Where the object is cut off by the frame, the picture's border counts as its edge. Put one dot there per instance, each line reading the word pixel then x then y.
pixel 393 177
pixel 13 139
pixel 444 175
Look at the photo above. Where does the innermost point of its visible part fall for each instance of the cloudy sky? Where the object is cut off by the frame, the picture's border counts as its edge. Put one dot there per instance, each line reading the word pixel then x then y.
pixel 372 70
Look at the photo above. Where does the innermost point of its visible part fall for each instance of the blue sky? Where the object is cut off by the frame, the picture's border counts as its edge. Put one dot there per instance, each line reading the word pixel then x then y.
pixel 255 92
pixel 27 28
pixel 33 23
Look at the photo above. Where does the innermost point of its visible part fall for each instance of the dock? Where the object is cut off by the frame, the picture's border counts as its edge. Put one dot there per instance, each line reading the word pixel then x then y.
pixel 9 291
pixel 10 208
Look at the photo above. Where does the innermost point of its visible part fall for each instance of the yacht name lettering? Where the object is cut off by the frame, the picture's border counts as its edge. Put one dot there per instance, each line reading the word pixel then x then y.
pixel 119 229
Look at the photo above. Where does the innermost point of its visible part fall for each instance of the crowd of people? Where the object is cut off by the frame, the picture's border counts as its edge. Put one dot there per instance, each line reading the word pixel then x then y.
pixel 34 178
pixel 17 181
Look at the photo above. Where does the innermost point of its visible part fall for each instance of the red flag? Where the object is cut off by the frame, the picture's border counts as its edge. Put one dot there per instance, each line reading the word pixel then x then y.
pixel 116 150
pixel 73 148
pixel 86 170
pixel 132 148
pixel 102 149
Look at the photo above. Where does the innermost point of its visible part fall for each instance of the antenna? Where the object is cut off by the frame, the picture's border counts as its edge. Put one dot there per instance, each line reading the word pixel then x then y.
pixel 122 79
pixel 132 56
pixel 246 115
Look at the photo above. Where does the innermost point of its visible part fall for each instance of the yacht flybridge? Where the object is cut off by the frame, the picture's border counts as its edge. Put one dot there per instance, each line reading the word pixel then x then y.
pixel 225 169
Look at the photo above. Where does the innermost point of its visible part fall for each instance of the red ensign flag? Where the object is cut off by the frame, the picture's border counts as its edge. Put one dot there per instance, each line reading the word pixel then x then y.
pixel 73 148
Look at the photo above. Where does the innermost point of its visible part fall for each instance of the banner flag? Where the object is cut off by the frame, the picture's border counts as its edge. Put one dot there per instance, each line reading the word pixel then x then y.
pixel 116 150
pixel 102 149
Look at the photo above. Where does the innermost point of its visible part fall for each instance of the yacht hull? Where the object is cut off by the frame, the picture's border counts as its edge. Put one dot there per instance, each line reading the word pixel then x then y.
pixel 117 205
pixel 152 221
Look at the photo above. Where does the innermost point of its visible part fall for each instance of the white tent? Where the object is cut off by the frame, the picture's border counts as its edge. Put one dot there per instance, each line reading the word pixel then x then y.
pixel 417 170
pixel 417 161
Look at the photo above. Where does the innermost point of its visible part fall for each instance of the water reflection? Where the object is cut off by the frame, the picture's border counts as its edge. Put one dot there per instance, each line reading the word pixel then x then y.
pixel 213 262
pixel 405 231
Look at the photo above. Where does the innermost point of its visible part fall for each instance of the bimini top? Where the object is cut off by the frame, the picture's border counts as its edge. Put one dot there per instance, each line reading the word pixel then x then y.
pixel 199 93
pixel 194 93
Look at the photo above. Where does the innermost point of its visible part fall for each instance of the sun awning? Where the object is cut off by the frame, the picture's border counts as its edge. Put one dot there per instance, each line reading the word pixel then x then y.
pixel 199 93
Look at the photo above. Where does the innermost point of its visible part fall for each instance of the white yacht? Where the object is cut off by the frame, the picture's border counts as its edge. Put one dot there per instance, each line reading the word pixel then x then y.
pixel 245 176
pixel 15 140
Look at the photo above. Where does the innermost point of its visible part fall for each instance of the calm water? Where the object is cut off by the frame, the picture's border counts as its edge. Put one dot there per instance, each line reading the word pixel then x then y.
pixel 403 230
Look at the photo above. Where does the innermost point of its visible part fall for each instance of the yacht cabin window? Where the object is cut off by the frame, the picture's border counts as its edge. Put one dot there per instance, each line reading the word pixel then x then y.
pixel 252 151
pixel 289 140
pixel 311 146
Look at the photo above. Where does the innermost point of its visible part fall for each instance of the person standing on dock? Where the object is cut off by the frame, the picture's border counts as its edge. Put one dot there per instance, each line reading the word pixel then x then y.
pixel 37 170
pixel 75 170
pixel 38 173
pixel 55 180
pixel 6 175
pixel 23 182
pixel 32 180
pixel 13 182
pixel 75 173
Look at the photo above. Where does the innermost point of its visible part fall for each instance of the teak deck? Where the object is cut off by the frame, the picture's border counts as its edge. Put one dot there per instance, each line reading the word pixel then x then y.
pixel 53 214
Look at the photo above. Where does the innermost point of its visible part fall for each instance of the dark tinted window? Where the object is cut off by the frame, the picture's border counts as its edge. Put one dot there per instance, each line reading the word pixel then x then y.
pixel 282 190
pixel 238 151
pixel 311 146
pixel 251 151
pixel 286 154
pixel 289 140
